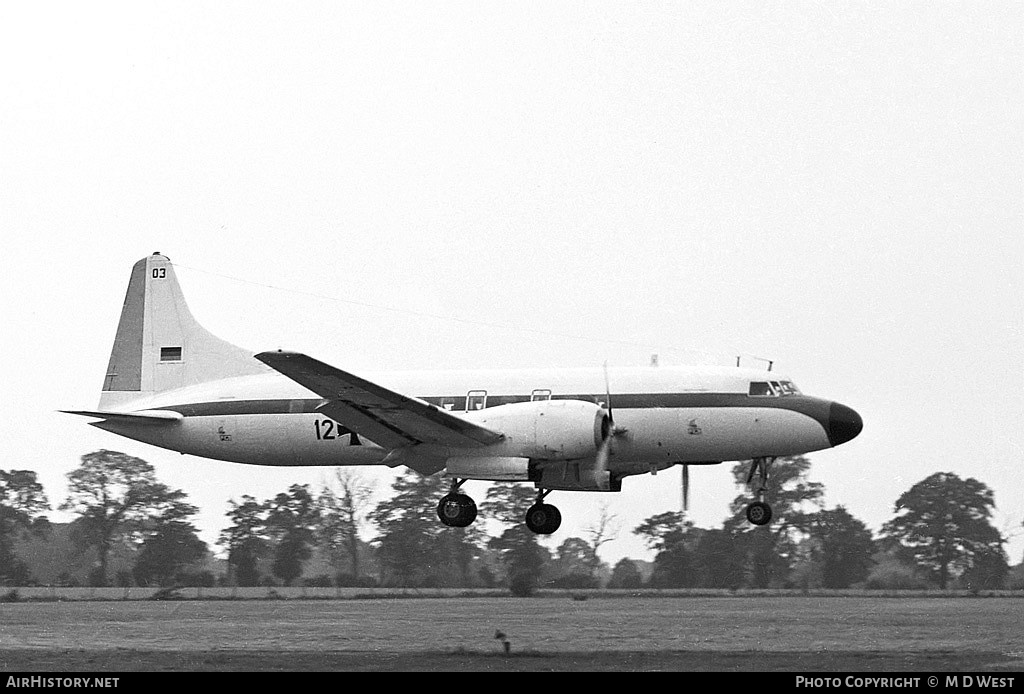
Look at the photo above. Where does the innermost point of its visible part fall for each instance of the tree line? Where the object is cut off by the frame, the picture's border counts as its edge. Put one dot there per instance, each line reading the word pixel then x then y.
pixel 940 535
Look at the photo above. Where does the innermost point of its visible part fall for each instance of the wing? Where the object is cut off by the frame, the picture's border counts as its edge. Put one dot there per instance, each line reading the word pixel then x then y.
pixel 389 419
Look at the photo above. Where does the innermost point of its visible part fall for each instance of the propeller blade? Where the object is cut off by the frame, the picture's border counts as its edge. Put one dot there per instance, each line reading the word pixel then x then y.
pixel 601 462
pixel 608 398
pixel 607 427
pixel 686 487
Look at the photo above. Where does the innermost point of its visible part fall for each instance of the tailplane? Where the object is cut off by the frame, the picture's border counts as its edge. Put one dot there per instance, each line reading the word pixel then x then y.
pixel 160 346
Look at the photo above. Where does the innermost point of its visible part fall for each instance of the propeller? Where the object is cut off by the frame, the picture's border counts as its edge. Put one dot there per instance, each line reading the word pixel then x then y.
pixel 608 430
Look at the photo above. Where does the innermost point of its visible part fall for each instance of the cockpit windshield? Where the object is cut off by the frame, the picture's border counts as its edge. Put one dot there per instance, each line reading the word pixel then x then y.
pixel 773 388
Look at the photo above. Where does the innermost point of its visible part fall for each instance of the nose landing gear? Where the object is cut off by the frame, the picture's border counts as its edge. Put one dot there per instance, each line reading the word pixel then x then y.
pixel 759 512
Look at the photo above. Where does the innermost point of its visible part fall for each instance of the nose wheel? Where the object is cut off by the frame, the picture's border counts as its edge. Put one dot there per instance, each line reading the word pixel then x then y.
pixel 760 512
pixel 542 518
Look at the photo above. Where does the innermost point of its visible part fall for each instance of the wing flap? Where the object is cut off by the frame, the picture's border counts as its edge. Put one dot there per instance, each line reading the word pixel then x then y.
pixel 140 417
pixel 389 419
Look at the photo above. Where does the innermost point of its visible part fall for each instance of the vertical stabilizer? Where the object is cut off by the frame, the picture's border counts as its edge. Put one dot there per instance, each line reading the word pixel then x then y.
pixel 160 346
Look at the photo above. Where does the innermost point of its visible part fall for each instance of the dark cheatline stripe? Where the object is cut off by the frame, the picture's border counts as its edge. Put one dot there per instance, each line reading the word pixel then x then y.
pixel 816 408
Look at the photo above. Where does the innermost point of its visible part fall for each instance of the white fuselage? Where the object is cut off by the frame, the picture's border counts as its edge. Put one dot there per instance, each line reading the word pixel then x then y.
pixel 667 415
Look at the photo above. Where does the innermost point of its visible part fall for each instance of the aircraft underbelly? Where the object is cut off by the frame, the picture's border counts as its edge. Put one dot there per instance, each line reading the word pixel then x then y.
pixel 260 439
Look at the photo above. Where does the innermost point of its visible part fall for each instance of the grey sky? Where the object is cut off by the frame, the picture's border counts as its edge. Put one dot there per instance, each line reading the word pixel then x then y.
pixel 838 187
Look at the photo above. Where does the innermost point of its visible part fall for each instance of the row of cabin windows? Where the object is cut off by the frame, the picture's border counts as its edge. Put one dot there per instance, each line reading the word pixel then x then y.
pixel 772 388
pixel 477 399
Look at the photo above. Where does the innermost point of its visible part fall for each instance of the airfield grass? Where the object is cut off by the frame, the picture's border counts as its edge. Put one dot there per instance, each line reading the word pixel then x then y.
pixel 719 634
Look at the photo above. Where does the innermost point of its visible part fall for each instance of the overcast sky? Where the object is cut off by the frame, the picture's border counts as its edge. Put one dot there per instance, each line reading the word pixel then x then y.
pixel 838 187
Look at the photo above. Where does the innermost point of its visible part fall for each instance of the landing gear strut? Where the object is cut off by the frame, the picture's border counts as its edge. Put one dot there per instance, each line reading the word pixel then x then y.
pixel 759 512
pixel 456 509
pixel 542 518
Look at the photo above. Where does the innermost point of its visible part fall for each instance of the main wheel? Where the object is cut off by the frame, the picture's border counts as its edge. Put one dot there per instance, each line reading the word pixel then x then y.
pixel 543 519
pixel 759 513
pixel 456 510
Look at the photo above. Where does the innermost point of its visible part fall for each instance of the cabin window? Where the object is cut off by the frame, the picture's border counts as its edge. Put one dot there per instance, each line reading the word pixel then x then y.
pixel 170 354
pixel 540 394
pixel 760 388
pixel 476 400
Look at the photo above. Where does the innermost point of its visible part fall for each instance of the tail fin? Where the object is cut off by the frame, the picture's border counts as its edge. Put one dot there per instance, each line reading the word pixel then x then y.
pixel 159 345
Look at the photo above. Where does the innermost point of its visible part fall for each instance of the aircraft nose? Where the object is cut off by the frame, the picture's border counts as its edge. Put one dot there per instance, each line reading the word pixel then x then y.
pixel 843 424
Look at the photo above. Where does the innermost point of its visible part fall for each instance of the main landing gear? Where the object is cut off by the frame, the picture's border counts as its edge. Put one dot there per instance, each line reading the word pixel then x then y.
pixel 456 510
pixel 759 512
pixel 542 518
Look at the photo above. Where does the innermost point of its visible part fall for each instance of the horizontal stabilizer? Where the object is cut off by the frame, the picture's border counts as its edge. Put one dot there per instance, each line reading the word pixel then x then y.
pixel 140 417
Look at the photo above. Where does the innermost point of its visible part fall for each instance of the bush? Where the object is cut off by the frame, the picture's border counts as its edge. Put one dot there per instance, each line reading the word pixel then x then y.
pixel 170 593
pixel 523 585
pixel 347 580
pixel 1015 581
pixel 626 575
pixel 197 579
pixel 891 575
pixel 486 577
pixel 66 580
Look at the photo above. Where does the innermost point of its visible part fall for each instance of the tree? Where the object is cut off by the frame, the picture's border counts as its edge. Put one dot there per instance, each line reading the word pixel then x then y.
pixel 601 532
pixel 407 523
pixel 22 502
pixel 343 507
pixel 170 547
pixel 115 495
pixel 945 522
pixel 669 534
pixel 521 553
pixel 841 545
pixel 574 562
pixel 414 547
pixel 895 567
pixel 720 558
pixel 246 540
pixel 989 570
pixel 625 575
pixel 770 549
pixel 292 520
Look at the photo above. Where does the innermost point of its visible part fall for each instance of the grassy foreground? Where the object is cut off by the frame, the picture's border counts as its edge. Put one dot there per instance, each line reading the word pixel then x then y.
pixel 556 633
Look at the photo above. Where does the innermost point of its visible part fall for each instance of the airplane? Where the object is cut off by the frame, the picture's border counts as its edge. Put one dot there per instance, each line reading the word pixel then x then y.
pixel 173 384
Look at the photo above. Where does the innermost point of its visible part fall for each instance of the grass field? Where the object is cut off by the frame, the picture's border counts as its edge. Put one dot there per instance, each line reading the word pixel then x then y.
pixel 553 633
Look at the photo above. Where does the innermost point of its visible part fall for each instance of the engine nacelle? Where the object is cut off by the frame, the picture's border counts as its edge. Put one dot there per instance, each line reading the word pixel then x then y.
pixel 546 430
pixel 578 476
